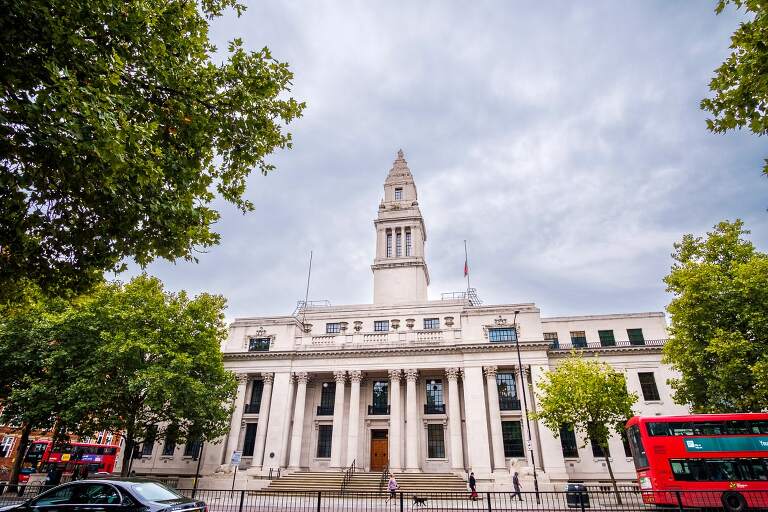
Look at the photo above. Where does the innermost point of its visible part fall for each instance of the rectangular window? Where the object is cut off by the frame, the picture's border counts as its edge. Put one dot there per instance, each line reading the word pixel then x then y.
pixel 625 442
pixel 149 440
pixel 257 388
pixel 551 337
pixel 408 245
pixel 648 386
pixel 512 433
pixel 250 439
pixel 720 470
pixel 381 325
pixel 578 339
pixel 568 441
pixel 635 336
pixel 327 397
pixel 708 428
pixel 435 403
pixel 398 194
pixel 502 335
pixel 169 447
pixel 507 388
pixel 431 324
pixel 258 344
pixel 435 441
pixel 380 398
pixel 389 244
pixel 606 338
pixel 324 434
pixel 192 448
pixel 6 447
pixel 398 244
pixel 332 328
pixel 597 450
pixel 636 445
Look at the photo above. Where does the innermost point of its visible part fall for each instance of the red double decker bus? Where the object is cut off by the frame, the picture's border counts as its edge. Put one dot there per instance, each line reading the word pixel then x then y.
pixel 98 458
pixel 702 460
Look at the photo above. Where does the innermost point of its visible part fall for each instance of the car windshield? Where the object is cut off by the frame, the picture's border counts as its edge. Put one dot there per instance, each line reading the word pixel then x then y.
pixel 153 491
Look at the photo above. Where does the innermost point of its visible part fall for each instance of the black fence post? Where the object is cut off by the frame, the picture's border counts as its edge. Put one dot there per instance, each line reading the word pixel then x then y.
pixel 679 500
pixel 488 499
pixel 319 493
pixel 242 499
pixel 401 501
pixel 581 500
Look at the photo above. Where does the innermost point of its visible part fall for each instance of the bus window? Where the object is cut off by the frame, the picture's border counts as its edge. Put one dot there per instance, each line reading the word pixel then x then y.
pixel 636 447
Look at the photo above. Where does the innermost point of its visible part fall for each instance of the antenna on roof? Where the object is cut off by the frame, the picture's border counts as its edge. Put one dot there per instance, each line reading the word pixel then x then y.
pixel 306 294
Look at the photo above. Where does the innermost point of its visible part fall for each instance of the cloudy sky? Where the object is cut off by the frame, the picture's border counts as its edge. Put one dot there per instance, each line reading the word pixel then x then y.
pixel 563 140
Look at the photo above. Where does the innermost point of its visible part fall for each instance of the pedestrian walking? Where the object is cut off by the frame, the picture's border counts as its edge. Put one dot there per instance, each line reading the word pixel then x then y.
pixel 472 486
pixel 392 486
pixel 516 484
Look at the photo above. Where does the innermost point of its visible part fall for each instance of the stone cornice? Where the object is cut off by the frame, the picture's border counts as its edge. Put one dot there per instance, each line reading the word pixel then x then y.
pixel 652 349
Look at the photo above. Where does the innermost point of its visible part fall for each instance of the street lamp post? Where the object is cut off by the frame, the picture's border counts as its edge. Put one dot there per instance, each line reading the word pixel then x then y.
pixel 525 406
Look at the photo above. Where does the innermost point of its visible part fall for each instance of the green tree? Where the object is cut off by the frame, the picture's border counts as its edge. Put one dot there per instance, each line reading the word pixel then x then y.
pixel 118 129
pixel 152 364
pixel 719 322
pixel 740 89
pixel 588 396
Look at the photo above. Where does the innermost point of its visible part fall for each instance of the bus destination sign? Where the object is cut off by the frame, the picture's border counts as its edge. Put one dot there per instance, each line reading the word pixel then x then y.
pixel 726 444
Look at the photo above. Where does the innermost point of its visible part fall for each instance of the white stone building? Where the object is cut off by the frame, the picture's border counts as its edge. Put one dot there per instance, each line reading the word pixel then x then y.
pixel 417 384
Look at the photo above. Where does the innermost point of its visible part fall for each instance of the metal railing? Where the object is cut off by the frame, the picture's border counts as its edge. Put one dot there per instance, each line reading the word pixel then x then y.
pixel 377 409
pixel 325 410
pixel 509 404
pixel 434 408
pixel 348 474
pixel 252 408
pixel 383 478
pixel 308 500
pixel 557 345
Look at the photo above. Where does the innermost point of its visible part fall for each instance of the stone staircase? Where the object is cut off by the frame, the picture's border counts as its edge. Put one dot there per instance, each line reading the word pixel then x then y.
pixel 369 482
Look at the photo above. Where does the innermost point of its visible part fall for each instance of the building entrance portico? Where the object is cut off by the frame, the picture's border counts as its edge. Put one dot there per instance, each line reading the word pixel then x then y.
pixel 379 449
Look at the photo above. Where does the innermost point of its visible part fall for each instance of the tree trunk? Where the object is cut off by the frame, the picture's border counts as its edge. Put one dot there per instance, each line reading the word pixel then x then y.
pixel 26 429
pixel 610 472
pixel 130 446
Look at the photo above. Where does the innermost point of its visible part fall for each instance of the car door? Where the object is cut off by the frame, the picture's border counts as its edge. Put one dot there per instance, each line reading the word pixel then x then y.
pixel 58 499
pixel 96 497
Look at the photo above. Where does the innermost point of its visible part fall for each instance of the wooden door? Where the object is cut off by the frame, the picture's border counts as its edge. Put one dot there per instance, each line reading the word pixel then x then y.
pixel 379 454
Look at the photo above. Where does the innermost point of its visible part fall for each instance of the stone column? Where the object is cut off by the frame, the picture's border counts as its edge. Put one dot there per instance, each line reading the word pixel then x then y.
pixel 298 420
pixel 261 428
pixel 355 376
pixel 497 441
pixel 338 418
pixel 395 421
pixel 412 418
pixel 476 418
pixel 454 419
pixel 237 417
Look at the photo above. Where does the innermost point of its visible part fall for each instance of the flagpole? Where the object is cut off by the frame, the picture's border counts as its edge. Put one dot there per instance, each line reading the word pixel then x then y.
pixel 466 265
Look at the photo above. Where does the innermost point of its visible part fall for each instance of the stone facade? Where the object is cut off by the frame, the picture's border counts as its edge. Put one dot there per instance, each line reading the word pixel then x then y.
pixel 417 384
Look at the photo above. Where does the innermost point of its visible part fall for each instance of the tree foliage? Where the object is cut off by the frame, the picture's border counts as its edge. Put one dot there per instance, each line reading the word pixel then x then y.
pixel 719 322
pixel 740 87
pixel 118 129
pixel 588 396
pixel 152 360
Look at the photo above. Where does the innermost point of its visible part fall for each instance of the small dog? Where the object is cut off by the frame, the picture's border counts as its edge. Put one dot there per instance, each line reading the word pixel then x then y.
pixel 421 502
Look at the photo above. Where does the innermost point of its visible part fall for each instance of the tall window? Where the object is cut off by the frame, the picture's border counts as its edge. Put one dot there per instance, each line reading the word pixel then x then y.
pixel 258 344
pixel 324 434
pixel 6 446
pixel 625 442
pixel 505 383
pixel 431 324
pixel 551 337
pixel 408 245
pixel 435 441
pixel 381 325
pixel 171 434
pixel 648 386
pixel 389 244
pixel 380 397
pixel 578 339
pixel 398 243
pixel 435 403
pixel 598 451
pixel 568 441
pixel 606 338
pixel 512 433
pixel 250 439
pixel 257 388
pixel 398 194
pixel 149 440
pixel 636 337
pixel 327 397
pixel 332 328
pixel 192 448
pixel 502 335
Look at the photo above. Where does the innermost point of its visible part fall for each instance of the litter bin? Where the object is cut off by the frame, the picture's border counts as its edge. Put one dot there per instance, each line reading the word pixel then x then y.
pixel 576 496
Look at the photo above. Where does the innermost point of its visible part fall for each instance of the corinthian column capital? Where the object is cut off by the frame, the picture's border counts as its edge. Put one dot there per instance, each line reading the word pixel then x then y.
pixel 301 377
pixel 340 376
pixel 268 377
pixel 395 375
pixel 411 374
pixel 490 371
pixel 452 373
pixel 355 376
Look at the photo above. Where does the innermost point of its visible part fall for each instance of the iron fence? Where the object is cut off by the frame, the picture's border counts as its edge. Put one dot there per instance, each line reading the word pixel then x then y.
pixel 405 501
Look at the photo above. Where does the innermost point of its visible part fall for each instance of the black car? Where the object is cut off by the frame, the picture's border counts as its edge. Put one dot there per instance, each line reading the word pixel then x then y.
pixel 110 495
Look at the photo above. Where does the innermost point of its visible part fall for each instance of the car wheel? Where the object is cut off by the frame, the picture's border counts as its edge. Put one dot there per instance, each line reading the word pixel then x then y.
pixel 734 502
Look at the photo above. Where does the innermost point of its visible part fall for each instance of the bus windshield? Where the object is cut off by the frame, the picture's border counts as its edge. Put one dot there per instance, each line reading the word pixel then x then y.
pixel 637 448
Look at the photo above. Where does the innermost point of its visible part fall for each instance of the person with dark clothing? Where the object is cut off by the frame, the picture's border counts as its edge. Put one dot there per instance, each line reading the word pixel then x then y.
pixel 516 484
pixel 76 473
pixel 473 486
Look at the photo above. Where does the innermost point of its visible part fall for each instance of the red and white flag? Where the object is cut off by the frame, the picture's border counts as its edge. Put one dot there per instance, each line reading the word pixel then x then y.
pixel 466 268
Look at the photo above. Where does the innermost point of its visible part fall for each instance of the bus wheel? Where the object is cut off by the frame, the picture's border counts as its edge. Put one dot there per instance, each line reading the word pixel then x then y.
pixel 734 502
